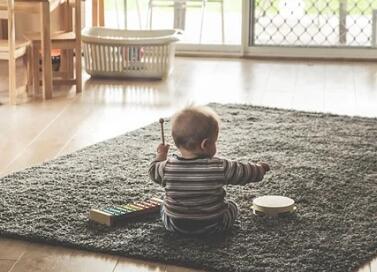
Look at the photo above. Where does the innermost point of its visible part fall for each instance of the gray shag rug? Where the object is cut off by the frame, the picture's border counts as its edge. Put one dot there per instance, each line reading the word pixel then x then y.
pixel 327 163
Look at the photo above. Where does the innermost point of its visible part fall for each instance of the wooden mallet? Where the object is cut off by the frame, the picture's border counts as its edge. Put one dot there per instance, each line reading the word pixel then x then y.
pixel 162 130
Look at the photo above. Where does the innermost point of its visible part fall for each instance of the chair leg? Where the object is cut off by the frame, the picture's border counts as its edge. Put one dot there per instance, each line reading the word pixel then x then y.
pixel 70 68
pixel 12 82
pixel 35 70
pixel 78 72
pixel 12 59
pixel 29 69
pixel 77 47
pixel 95 13
pixel 4 29
pixel 63 63
pixel 101 14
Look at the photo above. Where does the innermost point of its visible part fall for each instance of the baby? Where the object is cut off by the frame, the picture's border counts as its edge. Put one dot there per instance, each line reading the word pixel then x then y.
pixel 194 200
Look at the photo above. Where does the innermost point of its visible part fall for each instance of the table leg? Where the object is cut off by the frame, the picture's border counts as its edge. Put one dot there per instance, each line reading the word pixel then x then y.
pixel 3 29
pixel 94 12
pixel 98 13
pixel 46 50
pixel 101 12
pixel 66 58
pixel 78 52
pixel 12 59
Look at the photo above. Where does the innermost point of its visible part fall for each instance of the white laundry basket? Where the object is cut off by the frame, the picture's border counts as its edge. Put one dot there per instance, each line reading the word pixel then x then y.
pixel 129 53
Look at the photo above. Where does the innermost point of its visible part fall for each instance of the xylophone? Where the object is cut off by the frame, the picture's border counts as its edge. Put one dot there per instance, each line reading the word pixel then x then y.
pixel 110 216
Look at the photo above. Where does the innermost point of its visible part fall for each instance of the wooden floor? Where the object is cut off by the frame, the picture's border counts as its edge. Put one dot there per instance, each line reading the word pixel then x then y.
pixel 40 131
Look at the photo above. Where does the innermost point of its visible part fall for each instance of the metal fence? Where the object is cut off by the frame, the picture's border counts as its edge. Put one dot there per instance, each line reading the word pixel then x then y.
pixel 314 23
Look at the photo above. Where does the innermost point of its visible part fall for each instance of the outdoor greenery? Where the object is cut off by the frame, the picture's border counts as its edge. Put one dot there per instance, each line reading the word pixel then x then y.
pixel 314 7
pixel 354 7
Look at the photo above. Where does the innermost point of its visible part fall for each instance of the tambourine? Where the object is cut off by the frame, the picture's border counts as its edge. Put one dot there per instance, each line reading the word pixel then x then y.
pixel 273 205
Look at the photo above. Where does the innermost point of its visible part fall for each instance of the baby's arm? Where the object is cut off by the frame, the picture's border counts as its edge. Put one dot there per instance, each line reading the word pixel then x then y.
pixel 239 173
pixel 156 168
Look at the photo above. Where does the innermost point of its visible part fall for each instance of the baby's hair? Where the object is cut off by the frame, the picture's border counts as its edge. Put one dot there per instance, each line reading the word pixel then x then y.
pixel 192 125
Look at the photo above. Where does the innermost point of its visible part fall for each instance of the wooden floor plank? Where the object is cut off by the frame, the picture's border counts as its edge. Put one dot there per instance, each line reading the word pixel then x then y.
pixel 11 249
pixel 127 264
pixel 40 257
pixel 6 265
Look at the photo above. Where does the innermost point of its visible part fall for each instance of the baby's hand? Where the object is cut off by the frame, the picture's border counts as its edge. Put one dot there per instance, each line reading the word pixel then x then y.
pixel 265 166
pixel 162 152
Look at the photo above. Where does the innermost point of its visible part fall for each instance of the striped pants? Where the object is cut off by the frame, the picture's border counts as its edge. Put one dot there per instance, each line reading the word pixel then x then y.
pixel 190 227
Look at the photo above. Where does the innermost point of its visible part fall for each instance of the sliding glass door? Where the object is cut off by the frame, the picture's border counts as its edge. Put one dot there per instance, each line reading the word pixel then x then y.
pixel 273 28
pixel 343 28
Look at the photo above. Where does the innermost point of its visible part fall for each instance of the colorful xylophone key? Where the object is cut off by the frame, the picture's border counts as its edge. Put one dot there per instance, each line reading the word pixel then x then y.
pixel 120 213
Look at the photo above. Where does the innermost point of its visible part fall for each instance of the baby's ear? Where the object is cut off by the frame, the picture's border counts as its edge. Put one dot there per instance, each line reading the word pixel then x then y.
pixel 204 144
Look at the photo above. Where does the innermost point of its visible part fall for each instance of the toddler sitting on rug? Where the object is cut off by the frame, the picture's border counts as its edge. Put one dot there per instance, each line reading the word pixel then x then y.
pixel 194 200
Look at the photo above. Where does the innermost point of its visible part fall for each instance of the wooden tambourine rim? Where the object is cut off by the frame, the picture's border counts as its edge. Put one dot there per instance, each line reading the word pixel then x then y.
pixel 258 209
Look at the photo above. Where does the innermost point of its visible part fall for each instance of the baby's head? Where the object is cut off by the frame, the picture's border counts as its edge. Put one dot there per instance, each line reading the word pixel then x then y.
pixel 195 130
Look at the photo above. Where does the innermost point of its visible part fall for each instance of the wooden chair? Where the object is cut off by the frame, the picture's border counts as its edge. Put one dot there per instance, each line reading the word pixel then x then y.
pixel 69 42
pixel 12 49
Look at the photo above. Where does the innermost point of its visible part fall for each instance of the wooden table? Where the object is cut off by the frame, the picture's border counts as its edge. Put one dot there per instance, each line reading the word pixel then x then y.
pixel 44 11
pixel 42 7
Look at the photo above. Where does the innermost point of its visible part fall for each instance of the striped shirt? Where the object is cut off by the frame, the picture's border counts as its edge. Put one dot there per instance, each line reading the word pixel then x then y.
pixel 194 187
